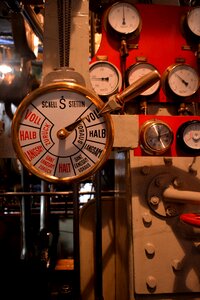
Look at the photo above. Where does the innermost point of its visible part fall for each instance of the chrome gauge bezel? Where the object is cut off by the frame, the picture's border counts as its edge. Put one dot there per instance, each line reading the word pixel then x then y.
pixel 156 137
pixel 114 25
pixel 188 137
pixel 180 81
pixel 105 78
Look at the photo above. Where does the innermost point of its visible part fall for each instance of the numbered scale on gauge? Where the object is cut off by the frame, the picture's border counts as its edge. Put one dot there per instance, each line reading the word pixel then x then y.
pixel 124 19
pixel 105 78
pixel 59 135
pixel 156 137
pixel 188 137
pixel 181 80
pixel 136 71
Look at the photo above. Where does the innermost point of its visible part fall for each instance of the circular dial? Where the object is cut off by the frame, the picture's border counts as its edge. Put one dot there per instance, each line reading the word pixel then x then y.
pixel 182 80
pixel 58 133
pixel 156 137
pixel 136 71
pixel 193 22
pixel 188 137
pixel 105 78
pixel 123 18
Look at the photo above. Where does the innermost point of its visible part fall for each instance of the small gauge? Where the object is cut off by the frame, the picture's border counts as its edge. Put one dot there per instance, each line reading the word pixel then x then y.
pixel 193 21
pixel 181 80
pixel 156 137
pixel 124 19
pixel 105 78
pixel 188 137
pixel 138 70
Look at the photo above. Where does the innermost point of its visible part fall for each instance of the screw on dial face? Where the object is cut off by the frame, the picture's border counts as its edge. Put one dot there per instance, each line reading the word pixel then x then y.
pixel 124 18
pixel 105 78
pixel 156 137
pixel 59 135
pixel 182 80
pixel 137 71
pixel 188 137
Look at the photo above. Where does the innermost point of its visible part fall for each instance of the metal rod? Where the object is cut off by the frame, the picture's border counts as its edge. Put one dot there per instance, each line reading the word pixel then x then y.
pixel 76 240
pixel 31 17
pixel 43 206
pixel 64 193
pixel 98 267
pixel 174 195
pixel 25 219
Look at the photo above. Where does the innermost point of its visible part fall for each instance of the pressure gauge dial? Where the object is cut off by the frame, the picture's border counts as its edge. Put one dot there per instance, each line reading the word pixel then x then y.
pixel 124 19
pixel 156 137
pixel 181 80
pixel 138 70
pixel 188 137
pixel 193 22
pixel 105 78
pixel 58 133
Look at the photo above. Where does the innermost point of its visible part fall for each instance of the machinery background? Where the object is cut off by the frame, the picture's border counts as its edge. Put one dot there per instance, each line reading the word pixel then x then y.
pixel 148 251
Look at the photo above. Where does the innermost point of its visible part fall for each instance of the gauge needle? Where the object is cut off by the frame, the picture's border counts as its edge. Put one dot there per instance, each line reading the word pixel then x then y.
pixel 101 78
pixel 123 19
pixel 63 133
pixel 182 80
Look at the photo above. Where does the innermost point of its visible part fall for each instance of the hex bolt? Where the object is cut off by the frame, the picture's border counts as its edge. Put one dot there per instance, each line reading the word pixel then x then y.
pixel 168 161
pixel 147 218
pixel 154 200
pixel 176 264
pixel 151 282
pixel 171 211
pixel 150 249
pixel 177 182
pixel 158 182
pixel 145 170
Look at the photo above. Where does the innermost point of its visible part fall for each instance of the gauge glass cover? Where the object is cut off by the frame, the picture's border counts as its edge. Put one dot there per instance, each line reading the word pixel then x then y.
pixel 183 80
pixel 191 135
pixel 124 18
pixel 156 137
pixel 105 78
pixel 50 142
pixel 193 20
pixel 139 70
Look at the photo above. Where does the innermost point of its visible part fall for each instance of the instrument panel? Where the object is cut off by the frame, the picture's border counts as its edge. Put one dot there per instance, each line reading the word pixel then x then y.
pixel 162 42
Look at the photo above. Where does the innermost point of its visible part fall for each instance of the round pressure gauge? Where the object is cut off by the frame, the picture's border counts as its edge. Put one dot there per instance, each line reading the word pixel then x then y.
pixel 181 80
pixel 105 78
pixel 188 137
pixel 58 133
pixel 193 21
pixel 156 137
pixel 138 70
pixel 124 19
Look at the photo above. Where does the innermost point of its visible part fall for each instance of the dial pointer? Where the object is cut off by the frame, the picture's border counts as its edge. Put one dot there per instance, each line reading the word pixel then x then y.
pixel 182 80
pixel 66 131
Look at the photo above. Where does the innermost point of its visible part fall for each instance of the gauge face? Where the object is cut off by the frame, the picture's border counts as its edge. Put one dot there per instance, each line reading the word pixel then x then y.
pixel 156 137
pixel 137 71
pixel 59 135
pixel 105 78
pixel 193 22
pixel 124 18
pixel 183 80
pixel 188 137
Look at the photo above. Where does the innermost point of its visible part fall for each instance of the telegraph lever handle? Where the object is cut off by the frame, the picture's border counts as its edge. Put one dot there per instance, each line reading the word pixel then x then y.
pixel 116 102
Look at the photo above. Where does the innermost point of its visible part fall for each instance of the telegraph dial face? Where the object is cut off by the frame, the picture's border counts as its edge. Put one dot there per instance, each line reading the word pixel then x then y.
pixel 59 135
